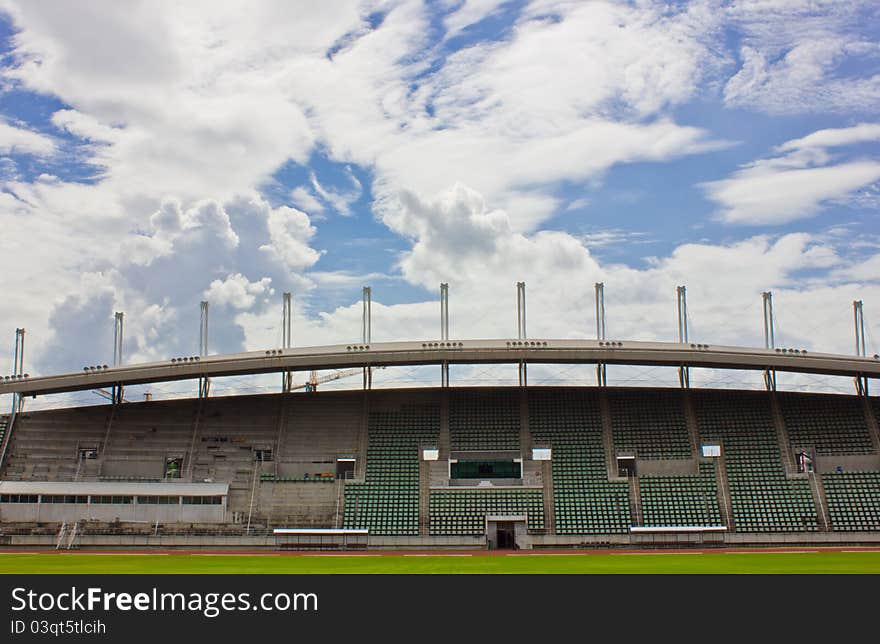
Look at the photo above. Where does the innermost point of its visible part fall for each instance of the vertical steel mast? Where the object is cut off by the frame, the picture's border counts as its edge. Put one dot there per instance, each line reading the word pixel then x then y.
pixel 286 338
pixel 118 326
pixel 521 328
pixel 366 331
pixel 861 351
pixel 18 370
pixel 684 376
pixel 204 382
pixel 769 337
pixel 601 372
pixel 444 330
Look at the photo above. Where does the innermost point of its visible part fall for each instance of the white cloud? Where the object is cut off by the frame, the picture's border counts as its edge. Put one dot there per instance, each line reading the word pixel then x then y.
pixel 797 56
pixel 290 231
pixel 209 107
pixel 799 183
pixel 558 101
pixel 188 112
pixel 21 141
pixel 468 13
pixel 834 137
pixel 459 239
pixel 340 200
pixel 303 198
pixel 237 292
pixel 764 195
pixel 84 126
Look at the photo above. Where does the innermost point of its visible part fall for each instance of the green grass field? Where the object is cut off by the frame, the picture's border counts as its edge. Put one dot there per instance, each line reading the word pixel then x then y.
pixel 672 563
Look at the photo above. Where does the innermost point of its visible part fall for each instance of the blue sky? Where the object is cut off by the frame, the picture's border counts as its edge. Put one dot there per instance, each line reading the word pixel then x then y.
pixel 154 155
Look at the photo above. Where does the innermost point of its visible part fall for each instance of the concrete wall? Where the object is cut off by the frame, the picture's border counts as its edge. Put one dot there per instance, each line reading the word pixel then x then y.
pixel 300 505
pixel 269 542
pixel 849 463
pixel 149 467
pixel 668 467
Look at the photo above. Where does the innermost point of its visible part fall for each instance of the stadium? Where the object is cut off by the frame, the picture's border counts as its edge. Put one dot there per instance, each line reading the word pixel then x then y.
pixel 521 468
pixel 158 162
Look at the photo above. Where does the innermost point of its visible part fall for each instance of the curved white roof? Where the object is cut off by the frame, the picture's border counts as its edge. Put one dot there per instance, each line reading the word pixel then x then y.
pixel 563 351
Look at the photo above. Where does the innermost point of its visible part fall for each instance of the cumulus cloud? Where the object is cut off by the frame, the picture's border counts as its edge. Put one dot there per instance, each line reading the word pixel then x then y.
pixel 557 100
pixel 290 231
pixel 469 151
pixel 237 292
pixel 724 280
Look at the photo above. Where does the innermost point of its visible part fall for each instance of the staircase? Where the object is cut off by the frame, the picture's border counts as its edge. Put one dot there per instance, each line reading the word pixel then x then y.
pixel 363 437
pixel 106 442
pixel 608 437
pixel 782 437
pixel 525 436
pixel 818 491
pixel 443 440
pixel 690 418
pixel 724 503
pixel 635 501
pixel 549 506
pixel 255 477
pixel 340 503
pixel 424 498
pixel 191 453
pixel 5 437
pixel 282 428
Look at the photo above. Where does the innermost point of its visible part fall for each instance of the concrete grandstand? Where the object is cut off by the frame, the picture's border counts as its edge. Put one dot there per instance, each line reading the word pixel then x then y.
pixel 449 467
pixel 525 467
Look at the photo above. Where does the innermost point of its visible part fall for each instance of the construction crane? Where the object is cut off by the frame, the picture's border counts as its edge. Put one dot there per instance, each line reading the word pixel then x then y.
pixel 309 385
pixel 314 380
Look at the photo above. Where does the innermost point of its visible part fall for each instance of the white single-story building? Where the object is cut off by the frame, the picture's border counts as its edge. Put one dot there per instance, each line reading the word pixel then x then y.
pixel 55 501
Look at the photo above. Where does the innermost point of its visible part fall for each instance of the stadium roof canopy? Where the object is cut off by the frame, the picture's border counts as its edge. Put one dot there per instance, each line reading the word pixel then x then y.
pixel 391 354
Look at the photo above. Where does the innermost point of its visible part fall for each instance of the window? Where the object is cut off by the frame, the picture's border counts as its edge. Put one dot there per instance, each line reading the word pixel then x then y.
pixel 113 500
pixel 498 469
pixel 711 451
pixel 202 500
pixel 63 498
pixel 18 498
pixel 541 454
